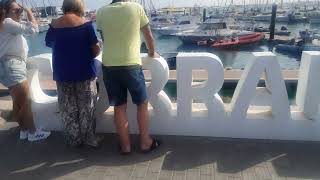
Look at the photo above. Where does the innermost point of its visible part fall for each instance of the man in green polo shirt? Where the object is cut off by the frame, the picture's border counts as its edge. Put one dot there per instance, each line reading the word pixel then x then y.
pixel 120 24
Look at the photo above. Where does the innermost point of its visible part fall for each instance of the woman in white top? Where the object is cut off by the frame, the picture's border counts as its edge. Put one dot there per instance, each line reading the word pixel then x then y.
pixel 13 55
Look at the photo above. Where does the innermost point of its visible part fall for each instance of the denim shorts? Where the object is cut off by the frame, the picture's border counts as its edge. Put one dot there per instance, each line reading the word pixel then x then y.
pixel 13 71
pixel 120 80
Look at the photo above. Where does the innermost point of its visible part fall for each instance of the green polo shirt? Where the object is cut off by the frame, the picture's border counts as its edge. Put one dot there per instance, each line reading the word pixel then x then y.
pixel 120 24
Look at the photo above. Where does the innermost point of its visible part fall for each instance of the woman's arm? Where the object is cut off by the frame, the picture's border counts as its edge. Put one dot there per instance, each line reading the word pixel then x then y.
pixel 31 17
pixel 49 37
pixel 19 28
pixel 15 28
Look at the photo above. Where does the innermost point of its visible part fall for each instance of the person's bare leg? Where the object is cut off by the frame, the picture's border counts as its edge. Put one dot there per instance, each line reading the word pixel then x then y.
pixel 122 125
pixel 143 121
pixel 16 107
pixel 23 114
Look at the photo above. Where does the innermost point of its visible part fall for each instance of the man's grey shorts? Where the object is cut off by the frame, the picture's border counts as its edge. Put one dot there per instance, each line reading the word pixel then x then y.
pixel 13 71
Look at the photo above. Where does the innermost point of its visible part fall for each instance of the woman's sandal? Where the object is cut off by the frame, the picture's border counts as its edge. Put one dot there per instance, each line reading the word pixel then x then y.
pixel 96 144
pixel 154 146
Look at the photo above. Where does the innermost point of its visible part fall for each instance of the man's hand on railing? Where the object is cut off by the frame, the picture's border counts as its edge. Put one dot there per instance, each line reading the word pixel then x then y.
pixel 153 55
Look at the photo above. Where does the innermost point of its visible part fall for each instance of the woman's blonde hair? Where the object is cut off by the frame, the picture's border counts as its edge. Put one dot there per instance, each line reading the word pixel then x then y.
pixel 73 6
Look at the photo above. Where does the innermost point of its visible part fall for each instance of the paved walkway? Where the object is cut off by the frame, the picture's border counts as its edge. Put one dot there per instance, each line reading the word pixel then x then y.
pixel 180 158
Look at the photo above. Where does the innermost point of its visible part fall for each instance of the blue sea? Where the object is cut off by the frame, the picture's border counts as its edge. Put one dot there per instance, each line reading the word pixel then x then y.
pixel 236 59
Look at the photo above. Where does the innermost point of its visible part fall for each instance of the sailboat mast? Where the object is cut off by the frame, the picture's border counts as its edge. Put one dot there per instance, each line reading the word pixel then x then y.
pixel 45 8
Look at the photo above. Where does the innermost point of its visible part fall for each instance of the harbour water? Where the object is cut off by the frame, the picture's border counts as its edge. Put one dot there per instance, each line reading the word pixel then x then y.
pixel 236 59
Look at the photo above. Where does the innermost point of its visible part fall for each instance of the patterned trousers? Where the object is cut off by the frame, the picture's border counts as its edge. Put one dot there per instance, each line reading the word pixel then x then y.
pixel 77 107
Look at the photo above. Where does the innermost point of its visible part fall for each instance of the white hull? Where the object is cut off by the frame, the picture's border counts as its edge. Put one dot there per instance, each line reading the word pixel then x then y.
pixel 315 21
pixel 43 27
pixel 268 18
pixel 170 30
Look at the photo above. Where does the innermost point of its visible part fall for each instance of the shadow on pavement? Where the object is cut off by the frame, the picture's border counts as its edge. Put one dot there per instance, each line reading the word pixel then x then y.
pixel 52 159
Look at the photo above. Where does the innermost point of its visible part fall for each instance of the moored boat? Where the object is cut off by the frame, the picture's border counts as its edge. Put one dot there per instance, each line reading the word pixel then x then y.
pixel 282 33
pixel 210 31
pixel 185 23
pixel 238 41
pixel 297 49
pixel 314 17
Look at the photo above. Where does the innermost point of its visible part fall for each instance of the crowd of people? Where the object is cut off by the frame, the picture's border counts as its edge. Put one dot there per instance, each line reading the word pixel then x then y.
pixel 75 46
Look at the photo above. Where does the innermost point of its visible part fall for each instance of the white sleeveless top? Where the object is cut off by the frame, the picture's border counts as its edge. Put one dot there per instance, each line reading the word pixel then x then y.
pixel 12 41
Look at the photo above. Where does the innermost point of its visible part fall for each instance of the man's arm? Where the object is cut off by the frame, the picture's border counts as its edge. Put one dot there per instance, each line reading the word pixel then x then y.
pixel 149 40
pixel 101 34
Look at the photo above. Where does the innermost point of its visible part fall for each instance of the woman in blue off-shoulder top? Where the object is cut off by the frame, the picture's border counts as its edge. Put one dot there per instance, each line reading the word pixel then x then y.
pixel 74 46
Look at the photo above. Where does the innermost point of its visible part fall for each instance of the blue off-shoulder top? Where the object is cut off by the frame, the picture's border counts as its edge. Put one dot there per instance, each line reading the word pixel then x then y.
pixel 72 56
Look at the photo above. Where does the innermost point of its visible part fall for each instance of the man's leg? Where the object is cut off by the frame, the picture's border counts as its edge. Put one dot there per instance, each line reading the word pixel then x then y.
pixel 143 121
pixel 122 125
pixel 117 94
pixel 137 88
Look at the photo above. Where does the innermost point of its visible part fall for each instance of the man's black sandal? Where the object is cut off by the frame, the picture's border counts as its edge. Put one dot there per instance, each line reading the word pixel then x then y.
pixel 122 153
pixel 155 144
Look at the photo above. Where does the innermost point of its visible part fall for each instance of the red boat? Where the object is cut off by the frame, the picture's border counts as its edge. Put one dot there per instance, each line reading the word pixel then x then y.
pixel 235 42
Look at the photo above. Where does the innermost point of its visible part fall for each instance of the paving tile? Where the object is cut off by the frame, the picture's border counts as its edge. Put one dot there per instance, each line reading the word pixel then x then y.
pixel 262 173
pixel 178 175
pixel 86 172
pixel 234 178
pixel 206 177
pixel 193 174
pixel 249 175
pixel 155 165
pixel 207 169
pixel 98 173
pixel 221 176
pixel 112 178
pixel 140 170
pixel 166 175
pixel 136 178
pixel 123 172
pixel 152 176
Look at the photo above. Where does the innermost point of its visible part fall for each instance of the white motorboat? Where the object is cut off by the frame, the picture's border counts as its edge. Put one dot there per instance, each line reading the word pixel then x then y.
pixel 314 17
pixel 185 24
pixel 210 30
